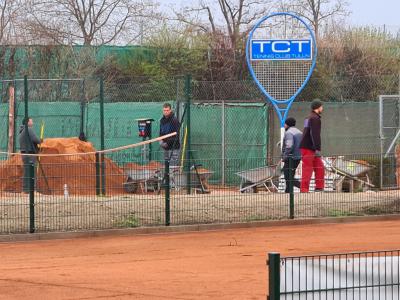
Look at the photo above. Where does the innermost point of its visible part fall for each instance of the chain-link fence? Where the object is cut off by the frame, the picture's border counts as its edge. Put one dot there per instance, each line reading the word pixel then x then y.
pixel 228 132
pixel 228 118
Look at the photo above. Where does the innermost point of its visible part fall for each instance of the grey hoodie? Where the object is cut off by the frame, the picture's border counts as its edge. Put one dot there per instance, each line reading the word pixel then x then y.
pixel 291 143
pixel 28 142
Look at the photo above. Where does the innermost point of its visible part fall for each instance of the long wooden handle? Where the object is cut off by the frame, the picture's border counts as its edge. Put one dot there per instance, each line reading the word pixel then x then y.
pixel 100 151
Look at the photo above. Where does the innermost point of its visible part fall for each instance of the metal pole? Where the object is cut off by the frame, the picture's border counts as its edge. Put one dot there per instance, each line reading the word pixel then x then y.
pixel 15 117
pixel 150 145
pixel 167 194
pixel 223 142
pixel 32 197
pixel 291 193
pixel 97 167
pixel 188 94
pixel 382 138
pixel 83 102
pixel 26 96
pixel 271 141
pixel 102 165
pixel 274 276
pixel 11 119
pixel 266 113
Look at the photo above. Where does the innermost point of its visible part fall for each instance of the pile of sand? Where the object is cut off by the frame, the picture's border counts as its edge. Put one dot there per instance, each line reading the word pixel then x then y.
pixel 78 172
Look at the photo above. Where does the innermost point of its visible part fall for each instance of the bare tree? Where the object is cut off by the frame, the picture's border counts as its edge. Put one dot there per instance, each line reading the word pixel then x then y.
pixel 88 22
pixel 227 23
pixel 8 17
pixel 317 12
pixel 231 17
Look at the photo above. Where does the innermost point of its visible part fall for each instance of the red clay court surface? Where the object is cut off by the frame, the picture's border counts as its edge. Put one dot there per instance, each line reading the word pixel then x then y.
pixel 225 264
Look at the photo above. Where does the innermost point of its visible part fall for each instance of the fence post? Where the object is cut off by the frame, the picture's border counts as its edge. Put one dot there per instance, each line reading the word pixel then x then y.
pixel 167 194
pixel 31 185
pixel 26 96
pixel 270 133
pixel 188 95
pixel 102 165
pixel 83 104
pixel 291 192
pixel 223 145
pixel 274 276
pixel 15 116
pixel 11 119
pixel 97 166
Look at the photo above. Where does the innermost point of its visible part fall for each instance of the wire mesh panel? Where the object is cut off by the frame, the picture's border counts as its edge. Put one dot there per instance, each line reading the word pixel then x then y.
pixel 362 275
pixel 80 191
pixel 125 104
pixel 197 195
pixel 56 105
pixel 389 122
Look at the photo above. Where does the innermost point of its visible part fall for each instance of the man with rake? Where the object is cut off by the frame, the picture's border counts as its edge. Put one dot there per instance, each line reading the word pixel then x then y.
pixel 29 143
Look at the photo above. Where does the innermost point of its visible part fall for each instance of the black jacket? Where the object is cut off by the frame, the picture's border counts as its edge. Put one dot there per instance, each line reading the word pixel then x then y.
pixel 28 141
pixel 312 133
pixel 170 125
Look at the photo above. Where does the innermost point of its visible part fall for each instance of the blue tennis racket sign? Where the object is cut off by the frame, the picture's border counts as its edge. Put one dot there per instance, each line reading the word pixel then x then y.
pixel 281 53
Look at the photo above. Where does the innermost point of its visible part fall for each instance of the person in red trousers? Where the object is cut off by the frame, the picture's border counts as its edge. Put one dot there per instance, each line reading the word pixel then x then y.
pixel 310 148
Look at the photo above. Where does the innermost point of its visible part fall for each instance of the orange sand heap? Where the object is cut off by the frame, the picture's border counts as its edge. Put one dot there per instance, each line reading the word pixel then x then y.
pixel 78 172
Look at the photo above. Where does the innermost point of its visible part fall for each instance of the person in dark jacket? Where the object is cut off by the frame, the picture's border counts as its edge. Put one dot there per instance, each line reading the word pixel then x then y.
pixel 291 148
pixel 169 124
pixel 310 147
pixel 28 143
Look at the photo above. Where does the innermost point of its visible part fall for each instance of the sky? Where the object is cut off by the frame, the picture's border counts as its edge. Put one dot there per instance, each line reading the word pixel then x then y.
pixel 363 12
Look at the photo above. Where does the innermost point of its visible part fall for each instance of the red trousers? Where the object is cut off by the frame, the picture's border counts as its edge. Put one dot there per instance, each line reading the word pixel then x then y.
pixel 311 163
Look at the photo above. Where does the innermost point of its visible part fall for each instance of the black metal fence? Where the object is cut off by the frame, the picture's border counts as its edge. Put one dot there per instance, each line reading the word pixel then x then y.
pixel 88 191
pixel 357 275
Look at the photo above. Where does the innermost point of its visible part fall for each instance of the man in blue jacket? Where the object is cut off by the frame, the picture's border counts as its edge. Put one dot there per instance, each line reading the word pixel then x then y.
pixel 169 124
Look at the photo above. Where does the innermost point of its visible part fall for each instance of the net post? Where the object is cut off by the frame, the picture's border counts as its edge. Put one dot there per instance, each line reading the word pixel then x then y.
pixel 188 95
pixel 31 185
pixel 102 165
pixel 291 192
pixel 273 263
pixel 167 194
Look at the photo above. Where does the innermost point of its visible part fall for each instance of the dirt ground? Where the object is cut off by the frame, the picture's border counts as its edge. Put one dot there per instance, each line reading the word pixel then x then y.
pixel 226 264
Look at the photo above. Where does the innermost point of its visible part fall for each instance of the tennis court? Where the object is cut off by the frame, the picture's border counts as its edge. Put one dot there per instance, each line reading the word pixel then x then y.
pixel 221 264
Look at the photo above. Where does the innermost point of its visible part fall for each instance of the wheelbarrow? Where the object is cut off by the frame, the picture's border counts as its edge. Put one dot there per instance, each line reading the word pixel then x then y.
pixel 351 169
pixel 145 179
pixel 198 178
pixel 253 178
